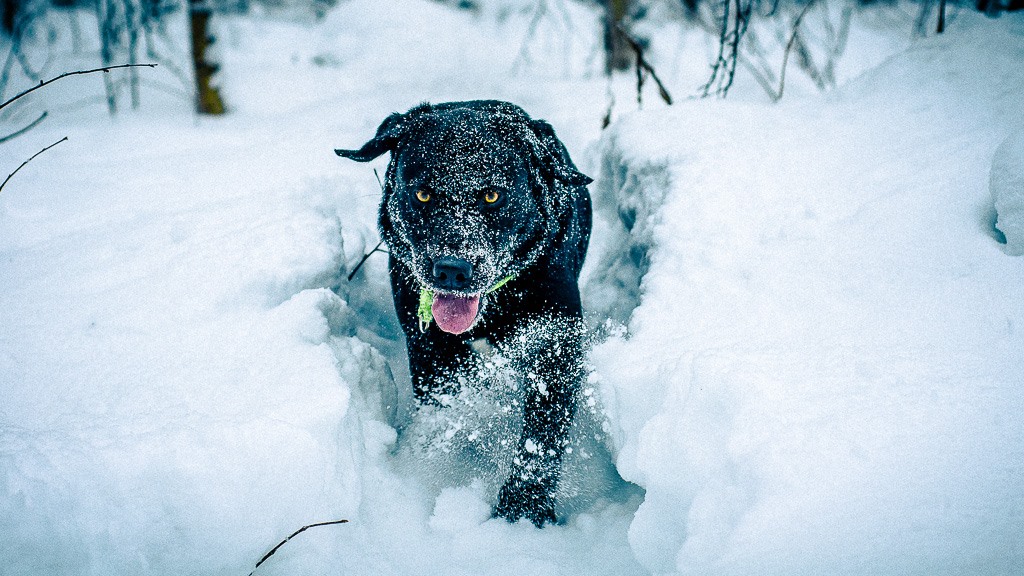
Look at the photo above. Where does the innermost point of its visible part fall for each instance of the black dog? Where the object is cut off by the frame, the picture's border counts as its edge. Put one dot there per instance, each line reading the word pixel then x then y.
pixel 487 221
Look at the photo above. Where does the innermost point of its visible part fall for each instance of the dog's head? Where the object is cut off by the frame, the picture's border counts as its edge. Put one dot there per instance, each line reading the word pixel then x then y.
pixel 474 193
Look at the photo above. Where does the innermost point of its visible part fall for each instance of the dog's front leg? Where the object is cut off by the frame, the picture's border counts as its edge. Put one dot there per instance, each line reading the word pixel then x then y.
pixel 553 369
pixel 436 360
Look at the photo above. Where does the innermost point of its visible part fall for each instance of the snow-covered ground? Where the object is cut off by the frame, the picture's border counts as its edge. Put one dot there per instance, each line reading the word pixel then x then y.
pixel 813 360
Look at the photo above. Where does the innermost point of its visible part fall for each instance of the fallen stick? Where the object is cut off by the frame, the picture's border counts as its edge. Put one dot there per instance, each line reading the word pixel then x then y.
pixel 294 534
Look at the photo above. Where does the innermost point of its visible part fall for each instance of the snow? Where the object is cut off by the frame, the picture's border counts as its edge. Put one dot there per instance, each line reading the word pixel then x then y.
pixel 808 314
pixel 1007 184
pixel 823 372
pixel 158 359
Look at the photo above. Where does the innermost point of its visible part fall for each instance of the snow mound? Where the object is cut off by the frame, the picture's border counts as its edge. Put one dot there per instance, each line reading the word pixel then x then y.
pixel 823 371
pixel 1007 185
pixel 175 366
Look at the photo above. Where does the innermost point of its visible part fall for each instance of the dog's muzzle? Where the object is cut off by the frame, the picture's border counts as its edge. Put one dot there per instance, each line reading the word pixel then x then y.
pixel 451 273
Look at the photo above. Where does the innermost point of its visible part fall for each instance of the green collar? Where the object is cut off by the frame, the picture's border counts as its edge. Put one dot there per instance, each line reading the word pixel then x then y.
pixel 426 314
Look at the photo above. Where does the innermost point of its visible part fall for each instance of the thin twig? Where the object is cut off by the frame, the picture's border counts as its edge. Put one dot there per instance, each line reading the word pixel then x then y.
pixel 133 25
pixel 789 47
pixel 639 79
pixel 29 160
pixel 22 20
pixel 720 60
pixel 523 56
pixel 34 123
pixel 376 248
pixel 734 27
pixel 836 41
pixel 75 73
pixel 294 534
pixel 740 28
pixel 607 120
pixel 771 12
pixel 9 62
pixel 643 65
pixel 154 56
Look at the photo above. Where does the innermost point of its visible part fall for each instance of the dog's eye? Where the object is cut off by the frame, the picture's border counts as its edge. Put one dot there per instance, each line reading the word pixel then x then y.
pixel 491 196
pixel 423 196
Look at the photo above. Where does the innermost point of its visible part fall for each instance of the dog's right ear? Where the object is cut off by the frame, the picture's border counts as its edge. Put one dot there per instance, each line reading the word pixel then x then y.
pixel 389 135
pixel 553 155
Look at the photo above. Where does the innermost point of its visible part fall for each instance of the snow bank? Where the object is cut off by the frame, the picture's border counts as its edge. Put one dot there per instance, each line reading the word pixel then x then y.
pixel 174 366
pixel 1007 186
pixel 823 372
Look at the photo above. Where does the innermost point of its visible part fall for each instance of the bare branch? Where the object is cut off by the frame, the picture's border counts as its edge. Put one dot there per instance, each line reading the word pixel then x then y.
pixel 837 42
pixel 538 12
pixel 376 248
pixel 642 65
pixel 366 256
pixel 32 125
pixel 153 56
pixel 12 55
pixel 11 175
pixel 294 534
pixel 734 27
pixel 720 59
pixel 607 120
pixel 789 46
pixel 75 73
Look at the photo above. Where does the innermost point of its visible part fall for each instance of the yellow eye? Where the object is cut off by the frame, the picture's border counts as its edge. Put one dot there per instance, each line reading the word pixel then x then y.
pixel 423 196
pixel 491 196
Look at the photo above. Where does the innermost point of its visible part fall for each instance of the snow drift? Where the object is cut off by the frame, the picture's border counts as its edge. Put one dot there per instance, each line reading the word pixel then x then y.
pixel 823 374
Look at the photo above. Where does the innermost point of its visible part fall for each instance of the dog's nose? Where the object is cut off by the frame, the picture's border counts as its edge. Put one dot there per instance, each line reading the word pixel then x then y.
pixel 452 273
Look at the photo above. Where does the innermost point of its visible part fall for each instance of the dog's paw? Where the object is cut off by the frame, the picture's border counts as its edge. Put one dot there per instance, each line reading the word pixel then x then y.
pixel 528 499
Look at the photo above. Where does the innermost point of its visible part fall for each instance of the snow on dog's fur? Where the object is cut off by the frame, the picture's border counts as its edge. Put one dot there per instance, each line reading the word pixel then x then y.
pixel 487 222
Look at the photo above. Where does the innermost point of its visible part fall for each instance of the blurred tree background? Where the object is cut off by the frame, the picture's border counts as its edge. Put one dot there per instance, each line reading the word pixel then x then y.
pixel 745 35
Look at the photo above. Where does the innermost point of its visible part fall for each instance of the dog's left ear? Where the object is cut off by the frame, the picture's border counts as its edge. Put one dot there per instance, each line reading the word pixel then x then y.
pixel 552 154
pixel 389 134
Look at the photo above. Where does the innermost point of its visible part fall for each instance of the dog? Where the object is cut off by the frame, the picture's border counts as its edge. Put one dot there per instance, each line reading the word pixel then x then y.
pixel 487 222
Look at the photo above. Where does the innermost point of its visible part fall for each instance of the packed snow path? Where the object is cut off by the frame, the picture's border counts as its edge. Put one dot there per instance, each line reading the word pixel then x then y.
pixel 813 363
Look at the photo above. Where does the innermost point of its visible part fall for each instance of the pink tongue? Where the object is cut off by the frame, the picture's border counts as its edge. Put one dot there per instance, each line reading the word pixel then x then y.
pixel 455 314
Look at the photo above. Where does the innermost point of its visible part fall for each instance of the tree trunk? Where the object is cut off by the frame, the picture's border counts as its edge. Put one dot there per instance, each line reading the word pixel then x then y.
pixel 618 54
pixel 989 7
pixel 10 16
pixel 208 100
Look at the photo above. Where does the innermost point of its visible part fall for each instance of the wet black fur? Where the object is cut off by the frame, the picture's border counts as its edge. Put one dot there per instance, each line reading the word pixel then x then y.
pixel 538 232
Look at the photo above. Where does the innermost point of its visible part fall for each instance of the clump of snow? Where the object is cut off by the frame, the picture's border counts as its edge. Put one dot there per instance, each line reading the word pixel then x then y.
pixel 472 435
pixel 1007 184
